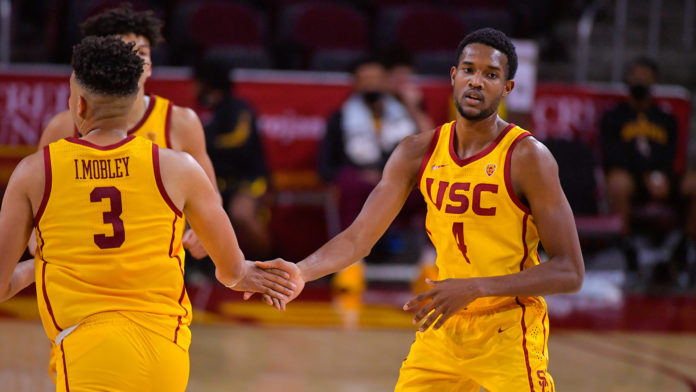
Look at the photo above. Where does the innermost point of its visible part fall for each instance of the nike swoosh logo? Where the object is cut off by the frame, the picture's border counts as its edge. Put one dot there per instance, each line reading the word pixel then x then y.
pixel 438 166
pixel 501 330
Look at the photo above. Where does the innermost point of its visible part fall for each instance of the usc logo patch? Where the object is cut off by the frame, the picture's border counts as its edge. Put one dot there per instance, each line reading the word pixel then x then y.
pixel 490 169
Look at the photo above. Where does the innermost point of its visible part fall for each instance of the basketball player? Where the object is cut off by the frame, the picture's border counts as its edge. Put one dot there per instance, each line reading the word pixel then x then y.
pixel 492 193
pixel 153 117
pixel 108 212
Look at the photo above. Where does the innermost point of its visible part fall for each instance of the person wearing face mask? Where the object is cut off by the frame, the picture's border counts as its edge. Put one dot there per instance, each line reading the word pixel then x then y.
pixel 638 141
pixel 359 138
pixel 234 145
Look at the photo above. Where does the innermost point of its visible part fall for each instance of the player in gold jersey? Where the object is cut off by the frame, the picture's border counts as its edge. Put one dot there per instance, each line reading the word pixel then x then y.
pixel 108 209
pixel 492 193
pixel 153 117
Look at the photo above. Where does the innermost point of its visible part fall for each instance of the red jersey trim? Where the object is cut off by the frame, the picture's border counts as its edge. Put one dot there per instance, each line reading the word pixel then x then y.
pixel 45 294
pixel 543 325
pixel 524 241
pixel 65 368
pixel 429 153
pixel 160 184
pixel 148 111
pixel 484 152
pixel 167 125
pixel 47 185
pixel 524 346
pixel 183 285
pixel 508 175
pixel 114 146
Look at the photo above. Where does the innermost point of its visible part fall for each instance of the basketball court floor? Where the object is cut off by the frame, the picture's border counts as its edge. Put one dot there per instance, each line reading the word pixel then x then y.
pixel 315 346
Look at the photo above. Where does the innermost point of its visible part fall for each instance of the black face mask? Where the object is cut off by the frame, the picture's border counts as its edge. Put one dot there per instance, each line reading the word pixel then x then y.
pixel 639 92
pixel 371 97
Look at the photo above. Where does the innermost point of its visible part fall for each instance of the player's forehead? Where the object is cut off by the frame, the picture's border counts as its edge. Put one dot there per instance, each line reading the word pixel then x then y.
pixel 482 55
pixel 139 40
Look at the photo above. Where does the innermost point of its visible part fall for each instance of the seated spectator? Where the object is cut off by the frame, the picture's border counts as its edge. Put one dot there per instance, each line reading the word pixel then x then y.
pixel 235 149
pixel 359 139
pixel 638 141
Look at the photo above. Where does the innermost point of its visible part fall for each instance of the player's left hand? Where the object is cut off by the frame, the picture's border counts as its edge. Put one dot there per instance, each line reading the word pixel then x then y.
pixel 193 245
pixel 447 298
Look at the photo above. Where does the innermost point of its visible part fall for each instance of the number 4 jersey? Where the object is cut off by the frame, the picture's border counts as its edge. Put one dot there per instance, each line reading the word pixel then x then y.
pixel 109 239
pixel 477 224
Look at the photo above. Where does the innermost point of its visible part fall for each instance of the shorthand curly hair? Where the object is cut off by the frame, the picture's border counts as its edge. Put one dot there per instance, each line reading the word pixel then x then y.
pixel 107 66
pixel 495 39
pixel 123 20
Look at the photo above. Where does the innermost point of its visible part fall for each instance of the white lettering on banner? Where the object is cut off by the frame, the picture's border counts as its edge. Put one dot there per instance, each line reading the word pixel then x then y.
pixel 289 127
pixel 26 108
pixel 562 116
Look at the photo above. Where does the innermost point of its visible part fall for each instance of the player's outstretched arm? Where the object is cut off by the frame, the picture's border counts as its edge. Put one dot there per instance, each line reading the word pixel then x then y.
pixel 16 222
pixel 382 206
pixel 191 191
pixel 535 177
pixel 22 276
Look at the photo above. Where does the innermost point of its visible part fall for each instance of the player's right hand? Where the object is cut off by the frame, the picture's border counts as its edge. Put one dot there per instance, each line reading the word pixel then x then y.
pixel 278 284
pixel 282 268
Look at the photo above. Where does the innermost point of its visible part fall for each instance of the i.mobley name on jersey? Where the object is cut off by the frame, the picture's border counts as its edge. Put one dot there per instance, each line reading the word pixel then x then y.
pixel 96 169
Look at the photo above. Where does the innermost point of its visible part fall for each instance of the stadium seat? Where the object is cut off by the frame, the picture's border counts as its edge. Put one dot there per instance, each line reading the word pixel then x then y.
pixel 313 28
pixel 231 27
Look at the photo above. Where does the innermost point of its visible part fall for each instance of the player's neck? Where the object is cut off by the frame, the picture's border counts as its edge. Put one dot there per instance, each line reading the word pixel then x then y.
pixel 139 109
pixel 473 136
pixel 106 136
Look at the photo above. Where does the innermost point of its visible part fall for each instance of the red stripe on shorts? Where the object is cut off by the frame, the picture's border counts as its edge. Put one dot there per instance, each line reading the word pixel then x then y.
pixel 524 347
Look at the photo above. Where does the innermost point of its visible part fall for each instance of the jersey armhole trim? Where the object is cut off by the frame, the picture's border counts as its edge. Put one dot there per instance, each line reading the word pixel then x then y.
pixel 160 184
pixel 508 175
pixel 168 125
pixel 148 111
pixel 47 185
pixel 428 154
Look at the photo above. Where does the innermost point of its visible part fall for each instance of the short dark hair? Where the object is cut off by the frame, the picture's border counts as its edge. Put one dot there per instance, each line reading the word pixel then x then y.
pixel 214 72
pixel 123 20
pixel 107 66
pixel 643 61
pixel 369 59
pixel 495 39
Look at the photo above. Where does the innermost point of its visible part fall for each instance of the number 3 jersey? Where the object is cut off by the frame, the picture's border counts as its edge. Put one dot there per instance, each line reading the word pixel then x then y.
pixel 109 239
pixel 475 221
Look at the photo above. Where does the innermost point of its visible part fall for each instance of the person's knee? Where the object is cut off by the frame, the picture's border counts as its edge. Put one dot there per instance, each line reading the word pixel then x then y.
pixel 620 184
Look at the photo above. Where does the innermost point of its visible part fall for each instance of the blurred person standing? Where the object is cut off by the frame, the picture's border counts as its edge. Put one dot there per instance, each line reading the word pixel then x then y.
pixel 235 148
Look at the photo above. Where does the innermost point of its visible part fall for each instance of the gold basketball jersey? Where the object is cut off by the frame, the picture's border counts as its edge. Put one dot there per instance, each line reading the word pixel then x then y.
pixel 155 123
pixel 109 239
pixel 475 221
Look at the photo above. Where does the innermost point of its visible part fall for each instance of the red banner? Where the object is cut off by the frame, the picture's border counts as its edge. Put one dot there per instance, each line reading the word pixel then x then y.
pixel 293 109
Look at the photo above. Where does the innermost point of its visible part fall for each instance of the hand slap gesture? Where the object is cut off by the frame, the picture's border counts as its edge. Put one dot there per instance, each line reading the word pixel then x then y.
pixel 447 297
pixel 288 272
pixel 274 282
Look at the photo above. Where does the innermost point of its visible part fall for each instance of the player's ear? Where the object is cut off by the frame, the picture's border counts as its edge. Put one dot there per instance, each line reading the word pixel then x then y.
pixel 81 107
pixel 453 71
pixel 509 85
